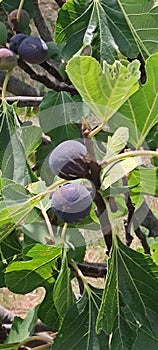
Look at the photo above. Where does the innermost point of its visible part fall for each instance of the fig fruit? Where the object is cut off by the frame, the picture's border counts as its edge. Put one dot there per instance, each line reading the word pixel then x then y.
pixel 15 41
pixel 33 50
pixel 68 160
pixel 71 203
pixel 22 24
pixel 8 59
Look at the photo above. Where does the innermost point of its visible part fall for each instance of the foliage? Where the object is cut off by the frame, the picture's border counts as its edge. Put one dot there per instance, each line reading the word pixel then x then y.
pixel 105 96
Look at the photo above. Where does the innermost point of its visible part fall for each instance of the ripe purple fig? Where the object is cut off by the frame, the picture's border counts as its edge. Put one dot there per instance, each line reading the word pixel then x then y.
pixel 33 50
pixel 8 59
pixel 22 24
pixel 15 41
pixel 68 160
pixel 71 203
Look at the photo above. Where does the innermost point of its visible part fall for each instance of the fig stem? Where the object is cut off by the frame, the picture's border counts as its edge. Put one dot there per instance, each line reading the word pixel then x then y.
pixel 96 130
pixel 141 153
pixel 5 83
pixel 79 273
pixel 63 233
pixel 19 10
pixel 49 226
pixel 36 337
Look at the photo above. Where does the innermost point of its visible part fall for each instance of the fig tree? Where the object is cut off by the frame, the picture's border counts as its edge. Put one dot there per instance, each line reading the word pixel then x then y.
pixel 22 23
pixel 8 59
pixel 33 50
pixel 71 203
pixel 15 41
pixel 68 160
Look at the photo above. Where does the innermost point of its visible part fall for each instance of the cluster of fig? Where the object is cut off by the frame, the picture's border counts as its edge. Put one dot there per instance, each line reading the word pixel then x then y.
pixel 71 202
pixel 30 48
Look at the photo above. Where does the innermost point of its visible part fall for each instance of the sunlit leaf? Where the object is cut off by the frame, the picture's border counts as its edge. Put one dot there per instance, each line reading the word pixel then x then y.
pixel 139 113
pixel 146 180
pixel 104 91
pixel 24 276
pixel 32 136
pixel 117 142
pixel 113 173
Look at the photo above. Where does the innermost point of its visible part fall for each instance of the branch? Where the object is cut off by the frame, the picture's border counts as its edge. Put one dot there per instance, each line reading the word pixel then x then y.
pixel 95 270
pixel 40 23
pixel 60 2
pixel 22 88
pixel 51 69
pixel 133 219
pixel 45 81
pixel 25 101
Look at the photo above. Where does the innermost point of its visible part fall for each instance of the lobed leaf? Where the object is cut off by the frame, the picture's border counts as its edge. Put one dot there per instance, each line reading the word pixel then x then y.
pixel 139 113
pixel 104 91
pixel 129 308
pixel 78 328
pixel 62 293
pixel 25 276
pixel 108 27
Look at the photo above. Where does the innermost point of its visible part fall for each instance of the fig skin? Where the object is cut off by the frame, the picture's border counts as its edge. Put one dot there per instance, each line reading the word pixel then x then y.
pixel 68 160
pixel 33 50
pixel 22 24
pixel 71 203
pixel 8 59
pixel 15 42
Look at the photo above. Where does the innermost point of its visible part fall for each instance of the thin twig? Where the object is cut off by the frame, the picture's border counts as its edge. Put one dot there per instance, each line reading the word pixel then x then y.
pixel 45 80
pixel 24 101
pixel 51 69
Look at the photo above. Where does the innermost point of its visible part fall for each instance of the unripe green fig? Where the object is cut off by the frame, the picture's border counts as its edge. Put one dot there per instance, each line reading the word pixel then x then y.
pixel 8 59
pixel 22 24
pixel 3 34
pixel 71 203
pixel 33 50
pixel 68 160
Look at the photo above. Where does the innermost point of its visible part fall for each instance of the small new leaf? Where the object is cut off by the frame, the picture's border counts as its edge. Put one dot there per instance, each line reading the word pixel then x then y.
pixel 117 142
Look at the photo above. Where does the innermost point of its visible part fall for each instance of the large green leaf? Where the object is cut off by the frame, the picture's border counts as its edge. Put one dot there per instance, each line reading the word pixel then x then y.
pixel 60 111
pixel 146 181
pixel 139 113
pixel 24 276
pixel 128 26
pixel 22 328
pixel 62 293
pixel 78 329
pixel 32 137
pixel 15 207
pixel 104 91
pixel 129 309
pixel 12 151
pixel 47 311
